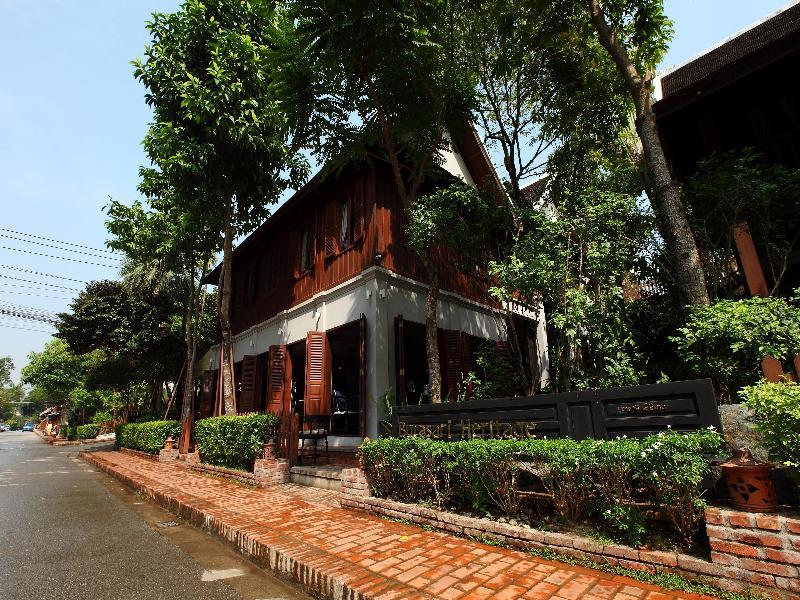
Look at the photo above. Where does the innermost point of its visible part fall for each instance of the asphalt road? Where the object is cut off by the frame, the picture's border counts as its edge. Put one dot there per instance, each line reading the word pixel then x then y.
pixel 69 531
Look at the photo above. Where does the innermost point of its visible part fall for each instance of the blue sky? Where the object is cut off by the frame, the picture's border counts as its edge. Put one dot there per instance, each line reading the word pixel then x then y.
pixel 73 118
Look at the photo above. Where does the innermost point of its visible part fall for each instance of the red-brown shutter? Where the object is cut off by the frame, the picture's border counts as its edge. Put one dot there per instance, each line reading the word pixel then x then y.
pixel 312 243
pixel 318 374
pixel 331 230
pixel 358 217
pixel 207 390
pixel 452 364
pixel 467 361
pixel 247 396
pixel 400 360
pixel 278 380
pixel 362 373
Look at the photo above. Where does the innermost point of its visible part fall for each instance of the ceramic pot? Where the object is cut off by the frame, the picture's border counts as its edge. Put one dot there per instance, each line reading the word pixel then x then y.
pixel 750 486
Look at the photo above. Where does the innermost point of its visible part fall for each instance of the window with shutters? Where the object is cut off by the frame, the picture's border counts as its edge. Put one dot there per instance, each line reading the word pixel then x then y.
pixel 351 221
pixel 308 251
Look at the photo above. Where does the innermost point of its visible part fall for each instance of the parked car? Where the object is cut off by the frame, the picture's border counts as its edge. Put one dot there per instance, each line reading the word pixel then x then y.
pixel 4 427
pixel 27 427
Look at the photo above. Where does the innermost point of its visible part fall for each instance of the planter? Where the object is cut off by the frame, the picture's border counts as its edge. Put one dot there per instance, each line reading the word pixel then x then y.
pixel 749 484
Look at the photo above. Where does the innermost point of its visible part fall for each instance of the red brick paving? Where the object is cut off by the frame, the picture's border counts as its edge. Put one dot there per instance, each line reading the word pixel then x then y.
pixel 303 532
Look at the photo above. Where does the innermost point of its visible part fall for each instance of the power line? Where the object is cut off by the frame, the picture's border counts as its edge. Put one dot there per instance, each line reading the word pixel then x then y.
pixel 36 295
pixel 25 328
pixel 56 241
pixel 26 312
pixel 55 285
pixel 46 245
pixel 85 262
pixel 42 274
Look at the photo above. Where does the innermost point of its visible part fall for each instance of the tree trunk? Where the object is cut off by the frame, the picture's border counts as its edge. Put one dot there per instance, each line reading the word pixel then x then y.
pixel 663 191
pixel 187 418
pixel 226 356
pixel 431 336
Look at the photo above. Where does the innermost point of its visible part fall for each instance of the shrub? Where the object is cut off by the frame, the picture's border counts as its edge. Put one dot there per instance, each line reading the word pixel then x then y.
pixel 777 411
pixel 88 432
pixel 727 340
pixel 71 432
pixel 590 479
pixel 149 436
pixel 102 416
pixel 234 441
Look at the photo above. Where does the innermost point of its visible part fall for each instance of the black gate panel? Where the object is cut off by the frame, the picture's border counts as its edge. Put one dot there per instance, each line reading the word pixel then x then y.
pixel 602 414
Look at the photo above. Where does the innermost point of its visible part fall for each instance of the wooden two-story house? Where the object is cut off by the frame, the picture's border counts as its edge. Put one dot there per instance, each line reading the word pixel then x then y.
pixel 328 304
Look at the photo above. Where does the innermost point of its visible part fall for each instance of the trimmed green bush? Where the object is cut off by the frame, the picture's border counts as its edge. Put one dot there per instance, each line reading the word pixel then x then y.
pixel 595 480
pixel 148 436
pixel 777 411
pixel 88 432
pixel 234 441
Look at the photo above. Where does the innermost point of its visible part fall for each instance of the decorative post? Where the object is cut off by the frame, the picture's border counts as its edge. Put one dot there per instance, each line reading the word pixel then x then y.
pixel 748 257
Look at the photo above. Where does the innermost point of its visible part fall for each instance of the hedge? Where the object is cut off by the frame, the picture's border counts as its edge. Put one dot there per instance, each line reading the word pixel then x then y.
pixel 600 481
pixel 148 436
pixel 234 441
pixel 88 432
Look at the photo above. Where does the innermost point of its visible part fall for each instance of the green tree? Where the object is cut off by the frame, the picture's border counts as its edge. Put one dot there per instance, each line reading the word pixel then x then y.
pixel 219 139
pixel 10 394
pixel 56 370
pixel 386 84
pixel 730 189
pixel 137 333
pixel 453 222
pixel 636 33
pixel 578 249
pixel 170 251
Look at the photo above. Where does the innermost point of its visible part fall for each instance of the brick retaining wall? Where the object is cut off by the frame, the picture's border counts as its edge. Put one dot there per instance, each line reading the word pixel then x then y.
pixel 766 546
pixel 731 573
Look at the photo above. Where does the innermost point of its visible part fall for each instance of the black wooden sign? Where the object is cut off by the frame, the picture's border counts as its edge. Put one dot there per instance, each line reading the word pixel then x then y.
pixel 603 414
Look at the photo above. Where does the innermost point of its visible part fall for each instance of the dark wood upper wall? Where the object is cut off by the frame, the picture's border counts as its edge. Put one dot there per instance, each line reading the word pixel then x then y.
pixel 761 110
pixel 266 272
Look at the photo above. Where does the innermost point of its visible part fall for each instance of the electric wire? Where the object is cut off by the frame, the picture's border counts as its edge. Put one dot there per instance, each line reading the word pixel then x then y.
pixel 40 237
pixel 46 245
pixel 26 328
pixel 85 262
pixel 31 272
pixel 25 293
pixel 55 285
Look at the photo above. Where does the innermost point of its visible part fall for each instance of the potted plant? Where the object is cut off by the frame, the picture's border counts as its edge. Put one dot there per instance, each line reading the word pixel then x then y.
pixel 749 484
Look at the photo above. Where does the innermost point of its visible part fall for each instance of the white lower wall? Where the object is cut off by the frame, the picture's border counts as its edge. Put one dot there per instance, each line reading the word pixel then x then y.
pixel 381 296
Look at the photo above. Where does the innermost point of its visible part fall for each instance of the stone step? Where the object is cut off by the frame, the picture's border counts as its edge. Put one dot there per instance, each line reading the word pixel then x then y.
pixel 325 477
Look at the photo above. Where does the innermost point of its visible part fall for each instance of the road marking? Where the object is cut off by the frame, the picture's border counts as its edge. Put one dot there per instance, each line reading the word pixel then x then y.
pixel 216 574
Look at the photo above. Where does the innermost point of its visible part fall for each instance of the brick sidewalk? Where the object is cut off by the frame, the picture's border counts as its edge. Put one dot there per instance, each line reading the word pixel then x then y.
pixel 301 532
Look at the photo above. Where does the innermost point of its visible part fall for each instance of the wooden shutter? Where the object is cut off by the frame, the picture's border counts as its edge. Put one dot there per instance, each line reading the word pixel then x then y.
pixel 400 360
pixel 467 361
pixel 312 243
pixel 358 217
pixel 331 231
pixel 207 389
pixel 247 396
pixel 362 373
pixel 318 374
pixel 279 380
pixel 452 356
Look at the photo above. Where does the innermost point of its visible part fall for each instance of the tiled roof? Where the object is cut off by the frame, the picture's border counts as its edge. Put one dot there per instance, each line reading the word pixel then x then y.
pixel 727 54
